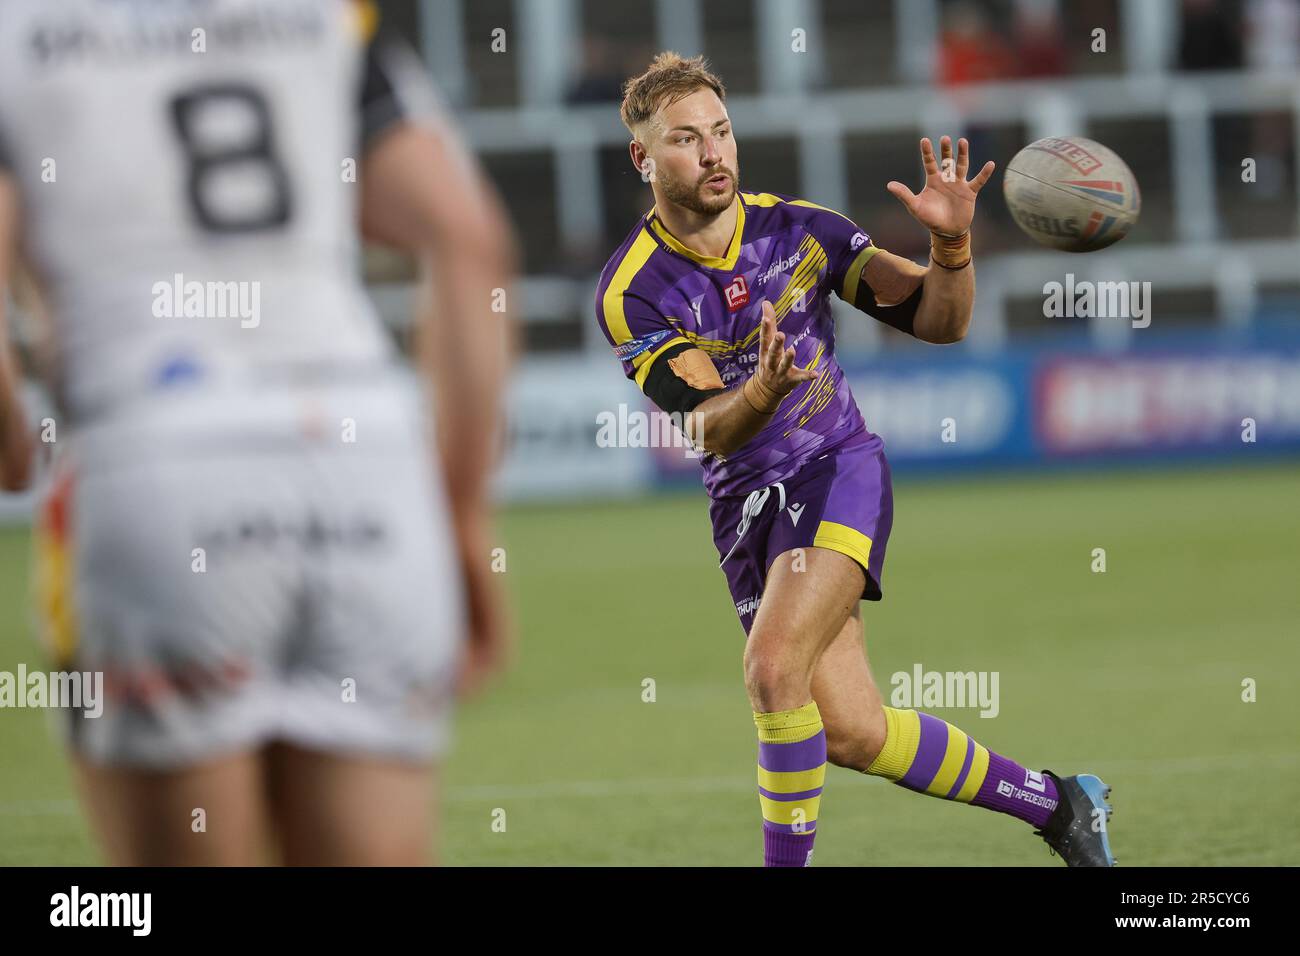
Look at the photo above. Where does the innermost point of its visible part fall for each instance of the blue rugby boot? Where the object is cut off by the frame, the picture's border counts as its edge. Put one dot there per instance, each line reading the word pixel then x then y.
pixel 1070 831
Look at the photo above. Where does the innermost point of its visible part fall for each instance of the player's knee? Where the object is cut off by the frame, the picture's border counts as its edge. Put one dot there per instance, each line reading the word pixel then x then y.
pixel 774 682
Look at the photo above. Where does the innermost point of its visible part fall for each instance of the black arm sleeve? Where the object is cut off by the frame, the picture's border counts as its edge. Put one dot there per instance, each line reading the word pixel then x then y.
pixel 901 316
pixel 668 391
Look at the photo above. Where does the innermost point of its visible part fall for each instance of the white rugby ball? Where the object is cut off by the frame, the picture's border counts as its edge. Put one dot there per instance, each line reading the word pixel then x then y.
pixel 1071 193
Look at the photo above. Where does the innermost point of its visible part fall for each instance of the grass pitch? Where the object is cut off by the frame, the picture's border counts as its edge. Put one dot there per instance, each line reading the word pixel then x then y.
pixel 1135 674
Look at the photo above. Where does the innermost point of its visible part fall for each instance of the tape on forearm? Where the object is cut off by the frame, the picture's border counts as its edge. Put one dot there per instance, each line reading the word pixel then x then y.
pixel 951 252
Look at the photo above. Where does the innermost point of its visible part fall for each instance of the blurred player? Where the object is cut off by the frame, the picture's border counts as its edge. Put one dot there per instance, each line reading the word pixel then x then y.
pixel 250 533
pixel 718 305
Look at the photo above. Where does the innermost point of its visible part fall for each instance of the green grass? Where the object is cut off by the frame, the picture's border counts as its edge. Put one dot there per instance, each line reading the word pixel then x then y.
pixel 1134 674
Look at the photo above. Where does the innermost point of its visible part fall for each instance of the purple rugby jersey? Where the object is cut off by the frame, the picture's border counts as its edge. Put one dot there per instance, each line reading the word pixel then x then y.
pixel 655 293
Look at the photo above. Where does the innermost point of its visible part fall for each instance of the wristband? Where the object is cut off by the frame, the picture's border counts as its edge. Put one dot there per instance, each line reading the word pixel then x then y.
pixel 951 252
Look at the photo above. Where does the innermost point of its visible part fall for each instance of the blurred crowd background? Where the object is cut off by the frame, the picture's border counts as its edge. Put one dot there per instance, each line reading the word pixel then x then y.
pixel 828 100
pixel 1183 90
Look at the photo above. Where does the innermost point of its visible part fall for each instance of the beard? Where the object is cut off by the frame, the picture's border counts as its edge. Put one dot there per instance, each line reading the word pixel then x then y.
pixel 693 196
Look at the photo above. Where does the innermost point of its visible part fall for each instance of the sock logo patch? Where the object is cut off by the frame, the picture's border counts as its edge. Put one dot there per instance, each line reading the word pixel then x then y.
pixel 1008 789
pixel 1034 781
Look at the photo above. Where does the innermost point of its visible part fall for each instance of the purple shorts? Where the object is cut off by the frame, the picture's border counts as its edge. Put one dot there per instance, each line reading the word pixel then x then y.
pixel 841 500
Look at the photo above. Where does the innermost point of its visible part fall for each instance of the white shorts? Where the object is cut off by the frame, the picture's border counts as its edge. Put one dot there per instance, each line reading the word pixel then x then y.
pixel 240 572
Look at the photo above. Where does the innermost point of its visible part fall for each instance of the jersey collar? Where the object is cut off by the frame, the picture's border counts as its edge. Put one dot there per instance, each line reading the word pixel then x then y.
pixel 726 262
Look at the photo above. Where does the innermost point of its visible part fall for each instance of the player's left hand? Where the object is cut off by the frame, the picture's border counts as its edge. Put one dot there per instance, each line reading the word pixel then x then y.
pixel 947 203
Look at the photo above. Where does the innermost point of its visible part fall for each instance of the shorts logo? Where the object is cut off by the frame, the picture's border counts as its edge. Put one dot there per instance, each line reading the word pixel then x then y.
pixel 737 293
pixel 795 512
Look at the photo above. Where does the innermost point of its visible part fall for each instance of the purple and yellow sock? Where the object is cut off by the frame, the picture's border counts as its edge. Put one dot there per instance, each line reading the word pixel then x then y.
pixel 929 755
pixel 791 771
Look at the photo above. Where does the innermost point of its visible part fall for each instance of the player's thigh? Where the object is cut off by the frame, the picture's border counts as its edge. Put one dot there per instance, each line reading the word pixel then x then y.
pixel 808 597
pixel 333 809
pixel 210 814
pixel 849 701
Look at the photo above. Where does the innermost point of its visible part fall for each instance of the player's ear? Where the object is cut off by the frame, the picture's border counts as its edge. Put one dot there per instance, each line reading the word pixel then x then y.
pixel 642 161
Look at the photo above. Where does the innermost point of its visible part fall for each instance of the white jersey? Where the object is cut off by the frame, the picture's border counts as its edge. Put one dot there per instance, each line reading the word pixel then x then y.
pixel 246 535
pixel 188 188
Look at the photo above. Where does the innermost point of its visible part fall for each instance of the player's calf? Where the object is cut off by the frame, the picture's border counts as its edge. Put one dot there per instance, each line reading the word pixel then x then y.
pixel 801 613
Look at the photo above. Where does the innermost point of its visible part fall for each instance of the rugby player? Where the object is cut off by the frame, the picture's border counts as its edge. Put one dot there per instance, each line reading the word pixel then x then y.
pixel 251 533
pixel 718 305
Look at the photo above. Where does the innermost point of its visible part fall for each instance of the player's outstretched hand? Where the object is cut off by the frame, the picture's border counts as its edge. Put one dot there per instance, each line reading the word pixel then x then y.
pixel 947 203
pixel 776 369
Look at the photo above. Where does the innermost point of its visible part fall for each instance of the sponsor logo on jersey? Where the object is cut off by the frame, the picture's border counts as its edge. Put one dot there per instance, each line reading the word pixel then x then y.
pixel 737 293
pixel 778 267
pixel 630 350
pixel 858 241
pixel 747 606
pixel 312 531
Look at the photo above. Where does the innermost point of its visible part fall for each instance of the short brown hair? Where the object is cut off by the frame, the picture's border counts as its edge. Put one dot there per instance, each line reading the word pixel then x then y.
pixel 669 78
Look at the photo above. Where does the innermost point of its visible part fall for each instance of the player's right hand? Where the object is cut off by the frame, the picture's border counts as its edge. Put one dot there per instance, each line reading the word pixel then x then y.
pixel 776 369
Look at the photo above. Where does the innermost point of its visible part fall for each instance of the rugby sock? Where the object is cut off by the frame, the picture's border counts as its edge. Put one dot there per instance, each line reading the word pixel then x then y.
pixel 791 771
pixel 929 755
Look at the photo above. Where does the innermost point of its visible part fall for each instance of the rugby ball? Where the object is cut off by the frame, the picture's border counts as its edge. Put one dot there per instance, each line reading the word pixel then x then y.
pixel 1071 193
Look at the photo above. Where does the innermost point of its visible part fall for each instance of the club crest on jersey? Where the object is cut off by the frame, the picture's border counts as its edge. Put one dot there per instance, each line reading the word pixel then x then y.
pixel 737 293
